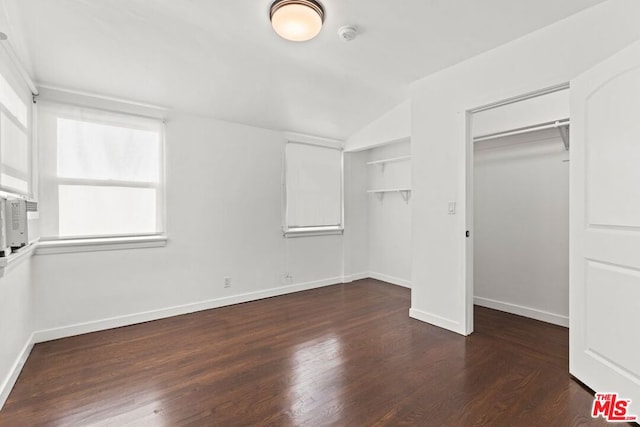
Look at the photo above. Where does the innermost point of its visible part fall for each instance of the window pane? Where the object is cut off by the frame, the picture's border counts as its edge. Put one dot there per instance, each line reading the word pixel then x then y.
pixel 14 148
pixel 104 211
pixel 95 151
pixel 314 186
pixel 12 102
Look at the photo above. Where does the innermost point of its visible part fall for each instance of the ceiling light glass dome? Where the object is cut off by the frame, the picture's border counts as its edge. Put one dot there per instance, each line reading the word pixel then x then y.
pixel 297 20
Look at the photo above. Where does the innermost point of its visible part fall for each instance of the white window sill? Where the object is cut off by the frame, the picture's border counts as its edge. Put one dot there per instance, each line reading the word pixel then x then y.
pixel 99 244
pixel 9 262
pixel 313 231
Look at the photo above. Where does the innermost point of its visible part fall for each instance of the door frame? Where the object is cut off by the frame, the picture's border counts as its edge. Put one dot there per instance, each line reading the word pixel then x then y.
pixel 469 188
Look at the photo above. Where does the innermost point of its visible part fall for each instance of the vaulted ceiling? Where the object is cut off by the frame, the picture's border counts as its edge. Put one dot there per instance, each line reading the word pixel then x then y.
pixel 220 58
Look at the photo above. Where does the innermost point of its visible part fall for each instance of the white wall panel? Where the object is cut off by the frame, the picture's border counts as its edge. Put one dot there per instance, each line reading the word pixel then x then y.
pixel 614 153
pixel 612 295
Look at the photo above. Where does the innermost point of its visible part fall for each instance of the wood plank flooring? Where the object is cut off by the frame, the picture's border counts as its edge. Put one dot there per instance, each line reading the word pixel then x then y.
pixel 344 355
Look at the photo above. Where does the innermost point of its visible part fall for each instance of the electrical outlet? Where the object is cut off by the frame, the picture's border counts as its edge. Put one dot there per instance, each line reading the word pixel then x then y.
pixel 227 282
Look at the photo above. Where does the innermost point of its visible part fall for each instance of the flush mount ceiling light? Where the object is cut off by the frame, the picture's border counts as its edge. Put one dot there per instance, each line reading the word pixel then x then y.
pixel 297 20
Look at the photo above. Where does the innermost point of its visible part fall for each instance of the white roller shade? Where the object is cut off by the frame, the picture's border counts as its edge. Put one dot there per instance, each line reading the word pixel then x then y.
pixel 15 130
pixel 313 186
pixel 101 172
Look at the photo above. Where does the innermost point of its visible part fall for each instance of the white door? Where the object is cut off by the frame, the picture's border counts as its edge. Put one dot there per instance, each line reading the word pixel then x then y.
pixel 605 227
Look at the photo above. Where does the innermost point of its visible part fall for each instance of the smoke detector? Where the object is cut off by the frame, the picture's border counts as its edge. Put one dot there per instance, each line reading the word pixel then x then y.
pixel 347 33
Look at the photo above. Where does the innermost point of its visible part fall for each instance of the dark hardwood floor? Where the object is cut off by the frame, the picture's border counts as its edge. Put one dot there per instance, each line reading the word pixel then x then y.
pixel 346 355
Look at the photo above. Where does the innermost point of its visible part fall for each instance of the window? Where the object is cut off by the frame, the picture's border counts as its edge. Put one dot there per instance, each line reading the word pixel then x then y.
pixel 313 182
pixel 101 173
pixel 15 139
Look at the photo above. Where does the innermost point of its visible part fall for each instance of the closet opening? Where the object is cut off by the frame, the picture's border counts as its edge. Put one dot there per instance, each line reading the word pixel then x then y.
pixel 389 212
pixel 518 207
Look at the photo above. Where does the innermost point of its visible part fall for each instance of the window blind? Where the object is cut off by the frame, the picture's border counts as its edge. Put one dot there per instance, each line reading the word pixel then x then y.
pixel 100 173
pixel 15 131
pixel 313 187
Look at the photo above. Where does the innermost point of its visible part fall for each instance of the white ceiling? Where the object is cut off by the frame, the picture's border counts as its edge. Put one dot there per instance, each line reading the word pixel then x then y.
pixel 220 58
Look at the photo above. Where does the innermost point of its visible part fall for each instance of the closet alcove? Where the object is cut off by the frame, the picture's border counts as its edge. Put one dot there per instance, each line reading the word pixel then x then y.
pixel 521 208
pixel 389 211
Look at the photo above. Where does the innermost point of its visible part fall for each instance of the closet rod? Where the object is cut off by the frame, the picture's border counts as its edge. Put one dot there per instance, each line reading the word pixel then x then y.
pixel 548 125
pixel 513 100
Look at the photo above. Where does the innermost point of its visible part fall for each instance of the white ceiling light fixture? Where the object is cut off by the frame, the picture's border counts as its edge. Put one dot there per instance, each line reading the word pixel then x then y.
pixel 297 20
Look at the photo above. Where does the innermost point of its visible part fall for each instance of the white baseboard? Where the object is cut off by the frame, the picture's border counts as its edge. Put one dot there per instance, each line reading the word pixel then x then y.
pixel 436 320
pixel 353 277
pixel 12 377
pixel 132 319
pixel 520 310
pixel 390 279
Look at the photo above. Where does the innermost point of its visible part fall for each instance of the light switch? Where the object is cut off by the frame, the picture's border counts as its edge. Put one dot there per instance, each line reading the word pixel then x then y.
pixel 452 208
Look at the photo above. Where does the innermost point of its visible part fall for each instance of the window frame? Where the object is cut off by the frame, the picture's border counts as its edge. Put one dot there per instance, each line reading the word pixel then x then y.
pixel 323 230
pixel 27 129
pixel 64 102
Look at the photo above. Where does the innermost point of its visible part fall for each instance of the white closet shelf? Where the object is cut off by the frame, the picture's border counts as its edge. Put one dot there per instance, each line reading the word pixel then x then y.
pixel 404 192
pixel 390 160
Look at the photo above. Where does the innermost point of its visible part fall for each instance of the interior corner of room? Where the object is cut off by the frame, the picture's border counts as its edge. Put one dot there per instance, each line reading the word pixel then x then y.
pixel 209 165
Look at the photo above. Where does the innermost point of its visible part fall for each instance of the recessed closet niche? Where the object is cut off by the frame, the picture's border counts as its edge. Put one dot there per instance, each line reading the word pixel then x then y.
pixel 521 208
pixel 389 211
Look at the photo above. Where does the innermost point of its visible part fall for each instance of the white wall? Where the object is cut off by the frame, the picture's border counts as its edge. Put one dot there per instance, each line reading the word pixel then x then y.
pixel 521 225
pixel 356 234
pixel 15 323
pixel 390 217
pixel 223 219
pixel 394 125
pixel 16 293
pixel 545 58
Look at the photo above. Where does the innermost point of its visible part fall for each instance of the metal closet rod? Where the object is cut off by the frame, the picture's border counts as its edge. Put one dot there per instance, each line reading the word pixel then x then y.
pixel 548 125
